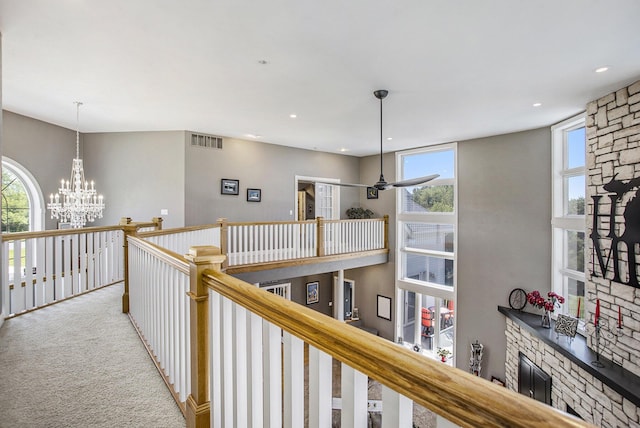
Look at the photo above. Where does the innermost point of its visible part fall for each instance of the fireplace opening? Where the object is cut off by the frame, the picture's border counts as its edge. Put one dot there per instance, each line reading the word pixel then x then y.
pixel 533 381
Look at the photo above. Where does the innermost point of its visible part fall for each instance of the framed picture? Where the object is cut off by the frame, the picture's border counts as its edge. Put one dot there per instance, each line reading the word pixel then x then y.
pixel 372 193
pixel 229 187
pixel 384 307
pixel 312 292
pixel 254 195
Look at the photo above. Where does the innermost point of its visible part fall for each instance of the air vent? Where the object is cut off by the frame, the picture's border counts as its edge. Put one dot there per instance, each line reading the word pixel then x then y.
pixel 207 141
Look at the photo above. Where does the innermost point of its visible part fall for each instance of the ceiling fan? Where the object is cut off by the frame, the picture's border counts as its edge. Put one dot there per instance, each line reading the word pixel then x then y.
pixel 382 184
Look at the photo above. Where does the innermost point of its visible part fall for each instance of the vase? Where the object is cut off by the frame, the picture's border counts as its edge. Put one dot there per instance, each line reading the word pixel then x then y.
pixel 546 320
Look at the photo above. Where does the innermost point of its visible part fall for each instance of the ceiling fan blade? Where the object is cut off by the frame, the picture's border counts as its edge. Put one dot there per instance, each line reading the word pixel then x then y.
pixel 341 184
pixel 413 181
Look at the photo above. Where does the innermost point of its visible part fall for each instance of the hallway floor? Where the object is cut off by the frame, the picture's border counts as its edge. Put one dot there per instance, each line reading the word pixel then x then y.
pixel 80 363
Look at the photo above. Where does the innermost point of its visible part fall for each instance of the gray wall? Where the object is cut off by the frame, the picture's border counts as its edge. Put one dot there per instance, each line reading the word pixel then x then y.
pixel 268 167
pixel 504 188
pixel 504 235
pixel 379 279
pixel 46 150
pixel 504 238
pixel 139 173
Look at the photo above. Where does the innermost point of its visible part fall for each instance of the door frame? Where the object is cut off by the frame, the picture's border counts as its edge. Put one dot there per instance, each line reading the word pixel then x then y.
pixel 335 198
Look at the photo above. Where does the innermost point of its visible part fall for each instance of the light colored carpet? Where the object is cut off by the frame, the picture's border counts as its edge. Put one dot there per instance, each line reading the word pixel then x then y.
pixel 80 363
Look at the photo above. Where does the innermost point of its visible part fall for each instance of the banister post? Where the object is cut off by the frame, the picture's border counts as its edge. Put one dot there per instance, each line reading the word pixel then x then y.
pixel 158 222
pixel 198 405
pixel 129 229
pixel 320 237
pixel 386 231
pixel 224 241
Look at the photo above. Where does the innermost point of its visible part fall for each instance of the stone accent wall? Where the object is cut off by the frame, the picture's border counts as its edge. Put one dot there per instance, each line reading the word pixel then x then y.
pixel 613 140
pixel 570 385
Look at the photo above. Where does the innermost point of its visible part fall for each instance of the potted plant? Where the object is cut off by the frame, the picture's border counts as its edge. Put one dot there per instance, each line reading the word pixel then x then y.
pixel 443 353
pixel 549 304
pixel 359 213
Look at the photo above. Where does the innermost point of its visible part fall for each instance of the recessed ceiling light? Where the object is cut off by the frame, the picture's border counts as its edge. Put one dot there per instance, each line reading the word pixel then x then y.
pixel 537 104
pixel 389 138
pixel 601 69
pixel 293 115
pixel 344 150
pixel 253 136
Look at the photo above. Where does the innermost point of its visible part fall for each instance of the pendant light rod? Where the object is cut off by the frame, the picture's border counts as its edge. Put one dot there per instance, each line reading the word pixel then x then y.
pixel 78 104
pixel 381 94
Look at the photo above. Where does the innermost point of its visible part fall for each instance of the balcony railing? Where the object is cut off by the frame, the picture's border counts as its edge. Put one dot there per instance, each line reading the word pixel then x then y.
pixel 234 355
pixel 41 268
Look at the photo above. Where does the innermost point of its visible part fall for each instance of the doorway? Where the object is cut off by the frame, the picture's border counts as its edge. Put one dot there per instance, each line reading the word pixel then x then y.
pixel 348 296
pixel 315 199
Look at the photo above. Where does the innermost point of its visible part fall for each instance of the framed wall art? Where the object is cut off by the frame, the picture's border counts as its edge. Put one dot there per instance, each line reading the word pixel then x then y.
pixel 372 193
pixel 254 195
pixel 384 307
pixel 312 292
pixel 229 186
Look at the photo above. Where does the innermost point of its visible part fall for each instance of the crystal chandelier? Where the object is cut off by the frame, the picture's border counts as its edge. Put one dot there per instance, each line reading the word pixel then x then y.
pixel 77 200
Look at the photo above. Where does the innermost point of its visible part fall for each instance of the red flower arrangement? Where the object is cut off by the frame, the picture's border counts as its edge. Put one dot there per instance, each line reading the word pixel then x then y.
pixel 548 304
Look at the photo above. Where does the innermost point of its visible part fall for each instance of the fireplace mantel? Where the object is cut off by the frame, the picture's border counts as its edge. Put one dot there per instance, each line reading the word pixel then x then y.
pixel 614 376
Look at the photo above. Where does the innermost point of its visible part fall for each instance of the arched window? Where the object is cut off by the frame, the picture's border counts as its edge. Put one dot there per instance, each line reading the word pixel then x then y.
pixel 22 200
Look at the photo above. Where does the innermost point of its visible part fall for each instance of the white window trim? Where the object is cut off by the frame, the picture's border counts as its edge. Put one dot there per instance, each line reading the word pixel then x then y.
pixel 560 221
pixel 405 284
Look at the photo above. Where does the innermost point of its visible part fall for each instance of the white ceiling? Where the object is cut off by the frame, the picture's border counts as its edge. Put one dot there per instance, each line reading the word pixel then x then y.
pixel 454 69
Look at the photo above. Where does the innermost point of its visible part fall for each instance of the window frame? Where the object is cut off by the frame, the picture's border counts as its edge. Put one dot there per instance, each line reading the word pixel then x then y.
pixel 561 221
pixel 405 284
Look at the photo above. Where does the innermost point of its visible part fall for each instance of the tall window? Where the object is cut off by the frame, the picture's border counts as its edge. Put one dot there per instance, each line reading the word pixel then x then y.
pixel 568 217
pixel 426 245
pixel 22 201
pixel 15 204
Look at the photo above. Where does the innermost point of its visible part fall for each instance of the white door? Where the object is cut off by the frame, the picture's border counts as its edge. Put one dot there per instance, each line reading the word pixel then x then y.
pixel 327 201
pixel 326 198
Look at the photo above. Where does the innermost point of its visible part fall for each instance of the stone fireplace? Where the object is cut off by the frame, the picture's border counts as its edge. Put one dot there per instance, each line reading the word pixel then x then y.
pixel 608 396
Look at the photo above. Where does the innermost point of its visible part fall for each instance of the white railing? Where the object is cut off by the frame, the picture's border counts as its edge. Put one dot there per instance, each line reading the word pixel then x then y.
pixel 180 240
pixel 351 236
pixel 257 373
pixel 249 243
pixel 159 308
pixel 257 343
pixel 40 268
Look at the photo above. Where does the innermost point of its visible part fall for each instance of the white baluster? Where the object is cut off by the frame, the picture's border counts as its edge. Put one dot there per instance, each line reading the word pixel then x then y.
pixel 240 351
pixel 397 409
pixel 354 398
pixel 294 381
pixel 272 376
pixel 320 391
pixel 255 351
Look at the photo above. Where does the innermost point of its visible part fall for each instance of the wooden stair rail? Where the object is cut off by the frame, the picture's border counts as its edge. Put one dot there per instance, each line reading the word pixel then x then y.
pixel 464 399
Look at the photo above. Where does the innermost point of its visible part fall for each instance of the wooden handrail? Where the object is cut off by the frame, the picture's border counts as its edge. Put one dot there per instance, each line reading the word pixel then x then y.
pixel 260 223
pixel 58 232
pixel 177 230
pixel 175 260
pixel 459 396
